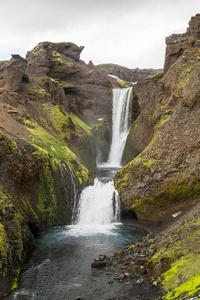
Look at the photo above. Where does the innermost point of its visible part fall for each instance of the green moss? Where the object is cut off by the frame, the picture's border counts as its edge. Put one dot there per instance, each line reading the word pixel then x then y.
pixel 37 91
pixel 47 203
pixel 57 81
pixel 149 163
pixel 3 243
pixel 163 121
pixel 123 83
pixel 188 67
pixel 56 56
pixel 185 290
pixel 11 237
pixel 60 118
pixel 182 273
pixel 66 84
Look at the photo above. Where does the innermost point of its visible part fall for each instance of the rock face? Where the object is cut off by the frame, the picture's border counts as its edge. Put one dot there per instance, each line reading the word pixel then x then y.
pixel 130 75
pixel 13 74
pixel 165 175
pixel 50 104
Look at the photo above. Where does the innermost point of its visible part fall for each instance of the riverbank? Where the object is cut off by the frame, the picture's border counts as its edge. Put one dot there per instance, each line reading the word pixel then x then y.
pixel 164 265
pixel 132 275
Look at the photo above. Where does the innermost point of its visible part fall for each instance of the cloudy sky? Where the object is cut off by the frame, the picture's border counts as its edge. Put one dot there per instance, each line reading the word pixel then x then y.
pixel 126 32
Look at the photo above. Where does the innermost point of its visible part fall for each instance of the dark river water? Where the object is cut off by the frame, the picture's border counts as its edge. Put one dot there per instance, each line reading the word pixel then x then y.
pixel 60 267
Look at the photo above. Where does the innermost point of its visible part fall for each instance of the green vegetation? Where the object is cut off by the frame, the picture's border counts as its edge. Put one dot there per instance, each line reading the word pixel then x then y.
pixel 124 84
pixel 182 279
pixel 11 237
pixel 37 91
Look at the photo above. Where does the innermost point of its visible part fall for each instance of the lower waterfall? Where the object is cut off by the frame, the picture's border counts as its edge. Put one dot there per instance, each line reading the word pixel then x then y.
pixel 99 204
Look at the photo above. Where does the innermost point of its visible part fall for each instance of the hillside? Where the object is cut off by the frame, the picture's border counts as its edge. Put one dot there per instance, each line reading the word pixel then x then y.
pixel 162 182
pixel 50 104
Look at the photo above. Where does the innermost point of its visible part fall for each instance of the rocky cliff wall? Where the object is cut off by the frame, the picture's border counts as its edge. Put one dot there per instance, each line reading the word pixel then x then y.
pixel 161 185
pixel 165 175
pixel 50 104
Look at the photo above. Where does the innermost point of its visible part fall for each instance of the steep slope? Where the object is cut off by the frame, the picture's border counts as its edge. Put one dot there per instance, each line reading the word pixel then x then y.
pixel 162 184
pixel 165 175
pixel 50 104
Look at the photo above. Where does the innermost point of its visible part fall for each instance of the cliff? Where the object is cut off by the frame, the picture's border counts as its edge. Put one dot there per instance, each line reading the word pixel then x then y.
pixel 50 104
pixel 129 75
pixel 166 171
pixel 162 182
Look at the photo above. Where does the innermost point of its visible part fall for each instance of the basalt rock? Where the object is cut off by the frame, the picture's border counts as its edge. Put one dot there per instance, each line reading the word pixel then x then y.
pixel 50 104
pixel 14 73
pixel 164 178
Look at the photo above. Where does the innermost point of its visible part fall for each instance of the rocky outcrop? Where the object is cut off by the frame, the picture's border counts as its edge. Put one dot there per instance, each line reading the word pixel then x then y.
pixel 165 175
pixel 53 72
pixel 129 75
pixel 86 88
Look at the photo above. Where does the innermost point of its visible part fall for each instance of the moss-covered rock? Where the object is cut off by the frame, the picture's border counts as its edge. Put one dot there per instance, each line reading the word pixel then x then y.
pixel 33 196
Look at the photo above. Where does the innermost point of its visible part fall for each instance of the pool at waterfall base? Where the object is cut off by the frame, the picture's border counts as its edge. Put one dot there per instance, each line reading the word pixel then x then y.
pixel 60 267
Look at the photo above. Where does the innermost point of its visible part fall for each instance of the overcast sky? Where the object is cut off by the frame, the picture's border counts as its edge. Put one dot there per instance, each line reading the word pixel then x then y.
pixel 125 32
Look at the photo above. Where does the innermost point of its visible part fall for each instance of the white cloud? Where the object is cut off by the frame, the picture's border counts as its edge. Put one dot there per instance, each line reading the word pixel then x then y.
pixel 129 32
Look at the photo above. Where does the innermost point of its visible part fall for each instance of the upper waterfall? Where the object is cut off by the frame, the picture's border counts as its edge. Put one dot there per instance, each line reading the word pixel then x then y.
pixel 121 124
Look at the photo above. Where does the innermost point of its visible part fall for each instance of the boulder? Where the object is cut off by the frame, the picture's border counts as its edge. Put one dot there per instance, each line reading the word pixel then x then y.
pixel 13 73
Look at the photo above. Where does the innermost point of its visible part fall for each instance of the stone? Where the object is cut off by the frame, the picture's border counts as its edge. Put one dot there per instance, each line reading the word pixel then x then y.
pixel 25 293
pixel 99 264
pixel 139 281
pixel 110 281
pixel 120 277
pixel 13 73
pixel 155 283
pixel 100 258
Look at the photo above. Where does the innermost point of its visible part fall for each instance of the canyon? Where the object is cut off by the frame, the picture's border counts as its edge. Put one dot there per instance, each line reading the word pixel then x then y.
pixel 56 114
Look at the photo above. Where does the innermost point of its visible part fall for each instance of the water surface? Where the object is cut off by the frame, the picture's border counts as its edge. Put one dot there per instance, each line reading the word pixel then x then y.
pixel 60 267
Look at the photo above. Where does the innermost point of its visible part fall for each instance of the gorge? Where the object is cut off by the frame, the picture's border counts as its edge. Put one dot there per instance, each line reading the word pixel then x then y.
pixel 55 128
pixel 95 227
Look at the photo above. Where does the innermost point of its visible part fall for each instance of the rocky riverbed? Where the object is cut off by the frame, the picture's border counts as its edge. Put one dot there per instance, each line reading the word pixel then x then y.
pixel 129 268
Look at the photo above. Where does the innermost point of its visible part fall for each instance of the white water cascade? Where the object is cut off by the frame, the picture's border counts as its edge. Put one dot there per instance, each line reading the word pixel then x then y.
pixel 121 124
pixel 98 209
pixel 73 181
pixel 99 204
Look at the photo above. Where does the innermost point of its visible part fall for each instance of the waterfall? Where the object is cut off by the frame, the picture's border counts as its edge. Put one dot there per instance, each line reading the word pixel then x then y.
pixel 70 189
pixel 121 124
pixel 75 198
pixel 99 204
